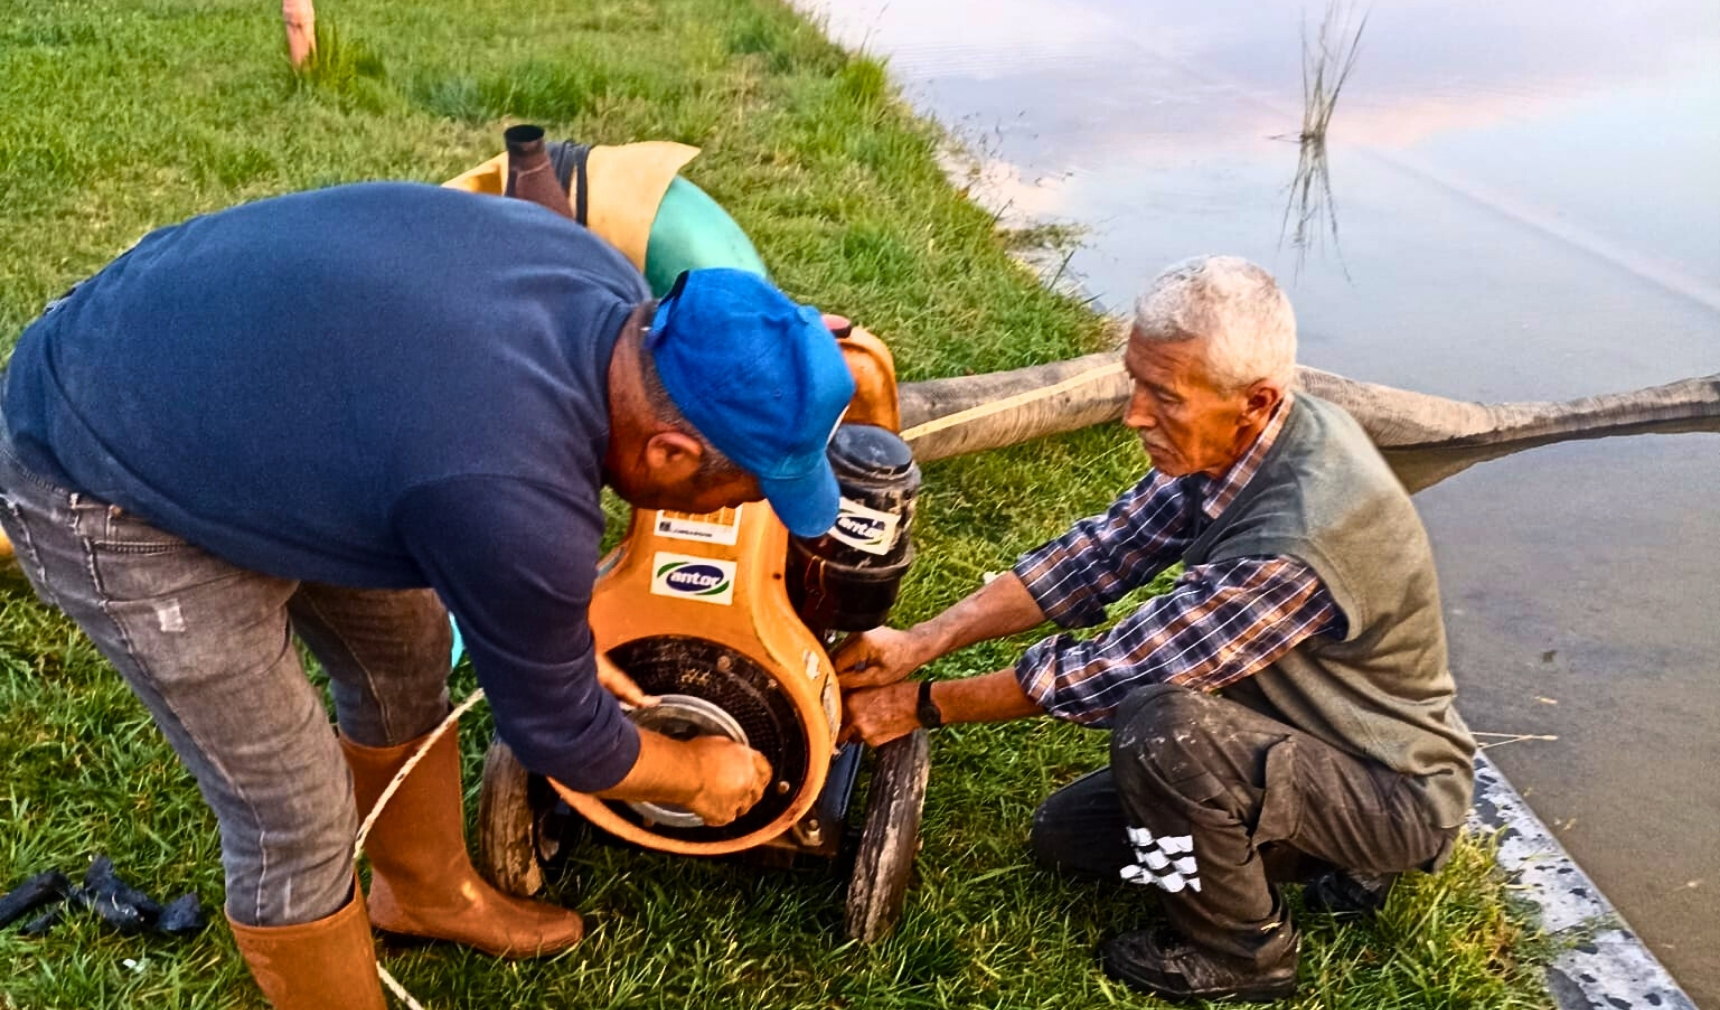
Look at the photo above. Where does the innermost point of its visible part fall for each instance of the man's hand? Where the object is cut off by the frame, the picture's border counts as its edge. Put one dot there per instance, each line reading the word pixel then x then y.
pixel 879 657
pixel 712 776
pixel 732 778
pixel 623 687
pixel 883 656
pixel 881 714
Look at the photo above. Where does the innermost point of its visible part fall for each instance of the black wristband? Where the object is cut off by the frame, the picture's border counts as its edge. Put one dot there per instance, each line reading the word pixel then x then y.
pixel 927 709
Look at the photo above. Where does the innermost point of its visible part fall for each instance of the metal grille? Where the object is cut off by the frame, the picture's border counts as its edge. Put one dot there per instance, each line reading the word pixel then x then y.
pixel 679 664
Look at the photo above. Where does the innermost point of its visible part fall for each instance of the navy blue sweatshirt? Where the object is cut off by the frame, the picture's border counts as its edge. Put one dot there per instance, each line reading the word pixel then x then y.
pixel 383 385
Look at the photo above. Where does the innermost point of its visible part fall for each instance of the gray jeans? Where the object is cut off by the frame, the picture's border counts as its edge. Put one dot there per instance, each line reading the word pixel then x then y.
pixel 208 648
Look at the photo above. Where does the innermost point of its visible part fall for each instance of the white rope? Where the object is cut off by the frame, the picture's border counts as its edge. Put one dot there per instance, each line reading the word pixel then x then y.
pixel 937 424
pixel 388 794
pixel 398 989
pixel 1505 738
pixel 411 763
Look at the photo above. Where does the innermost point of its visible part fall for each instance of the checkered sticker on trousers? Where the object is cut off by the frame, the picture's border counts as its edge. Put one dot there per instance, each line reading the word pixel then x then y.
pixel 1167 861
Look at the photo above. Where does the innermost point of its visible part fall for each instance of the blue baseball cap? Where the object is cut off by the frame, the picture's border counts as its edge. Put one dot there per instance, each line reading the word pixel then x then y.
pixel 762 379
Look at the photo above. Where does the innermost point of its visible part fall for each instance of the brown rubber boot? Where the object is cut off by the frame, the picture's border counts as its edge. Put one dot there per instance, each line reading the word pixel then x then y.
pixel 422 882
pixel 321 965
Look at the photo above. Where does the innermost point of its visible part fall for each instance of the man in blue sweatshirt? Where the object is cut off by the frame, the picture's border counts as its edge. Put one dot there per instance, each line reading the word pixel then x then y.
pixel 341 415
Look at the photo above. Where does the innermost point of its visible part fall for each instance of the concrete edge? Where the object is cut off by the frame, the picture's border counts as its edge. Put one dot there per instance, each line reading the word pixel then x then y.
pixel 1607 966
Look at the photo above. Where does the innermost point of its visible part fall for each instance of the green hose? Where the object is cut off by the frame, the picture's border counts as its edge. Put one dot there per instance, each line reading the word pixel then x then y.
pixel 691 231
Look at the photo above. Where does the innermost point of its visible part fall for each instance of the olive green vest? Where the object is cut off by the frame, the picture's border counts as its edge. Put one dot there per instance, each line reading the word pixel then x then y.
pixel 1324 495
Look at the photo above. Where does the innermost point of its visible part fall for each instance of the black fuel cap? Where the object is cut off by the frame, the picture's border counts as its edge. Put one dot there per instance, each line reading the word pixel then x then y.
pixel 868 451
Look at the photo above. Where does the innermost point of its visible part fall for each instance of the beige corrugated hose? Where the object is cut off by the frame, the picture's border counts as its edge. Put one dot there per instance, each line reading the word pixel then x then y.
pixel 1021 399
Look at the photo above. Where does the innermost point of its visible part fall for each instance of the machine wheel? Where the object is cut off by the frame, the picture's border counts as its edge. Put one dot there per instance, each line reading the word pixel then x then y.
pixel 890 839
pixel 507 837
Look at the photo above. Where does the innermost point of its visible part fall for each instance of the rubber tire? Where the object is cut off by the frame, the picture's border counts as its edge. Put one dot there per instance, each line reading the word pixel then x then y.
pixel 507 849
pixel 890 839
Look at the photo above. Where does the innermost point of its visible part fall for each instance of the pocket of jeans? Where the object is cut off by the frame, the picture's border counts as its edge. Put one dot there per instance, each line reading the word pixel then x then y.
pixel 121 532
pixel 1281 802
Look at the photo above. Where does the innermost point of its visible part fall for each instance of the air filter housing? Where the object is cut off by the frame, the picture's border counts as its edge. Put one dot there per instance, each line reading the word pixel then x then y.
pixel 707 688
pixel 848 579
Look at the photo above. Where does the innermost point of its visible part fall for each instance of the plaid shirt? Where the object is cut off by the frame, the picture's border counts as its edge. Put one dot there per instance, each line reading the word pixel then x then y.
pixel 1219 623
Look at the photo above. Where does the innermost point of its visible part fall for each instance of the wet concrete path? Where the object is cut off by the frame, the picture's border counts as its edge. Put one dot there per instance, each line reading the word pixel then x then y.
pixel 1526 209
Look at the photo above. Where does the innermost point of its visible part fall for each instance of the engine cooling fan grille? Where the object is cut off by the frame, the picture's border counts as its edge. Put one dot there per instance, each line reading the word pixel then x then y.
pixel 680 664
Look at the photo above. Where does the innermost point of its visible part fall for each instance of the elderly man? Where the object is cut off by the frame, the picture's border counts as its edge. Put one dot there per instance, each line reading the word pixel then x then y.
pixel 341 415
pixel 1288 697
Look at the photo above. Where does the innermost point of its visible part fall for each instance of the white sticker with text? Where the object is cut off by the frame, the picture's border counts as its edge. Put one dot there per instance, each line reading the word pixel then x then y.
pixel 865 529
pixel 716 528
pixel 708 580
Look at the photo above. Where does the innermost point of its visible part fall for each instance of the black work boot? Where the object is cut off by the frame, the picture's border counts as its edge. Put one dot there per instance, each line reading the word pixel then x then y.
pixel 1164 963
pixel 1345 892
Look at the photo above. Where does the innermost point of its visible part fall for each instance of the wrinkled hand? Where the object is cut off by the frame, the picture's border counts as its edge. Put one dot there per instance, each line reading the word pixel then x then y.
pixel 732 778
pixel 623 687
pixel 881 714
pixel 878 657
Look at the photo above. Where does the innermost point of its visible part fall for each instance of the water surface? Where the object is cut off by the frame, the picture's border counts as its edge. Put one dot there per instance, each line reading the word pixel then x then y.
pixel 1528 208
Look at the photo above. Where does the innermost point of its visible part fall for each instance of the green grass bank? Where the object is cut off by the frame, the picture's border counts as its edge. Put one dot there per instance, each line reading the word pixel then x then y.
pixel 118 116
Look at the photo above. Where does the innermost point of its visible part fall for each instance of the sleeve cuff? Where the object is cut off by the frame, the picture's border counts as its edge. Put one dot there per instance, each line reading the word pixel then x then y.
pixel 1034 674
pixel 1037 674
pixel 604 751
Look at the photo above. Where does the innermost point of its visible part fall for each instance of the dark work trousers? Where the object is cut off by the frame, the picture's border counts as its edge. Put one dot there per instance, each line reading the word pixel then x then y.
pixel 1211 804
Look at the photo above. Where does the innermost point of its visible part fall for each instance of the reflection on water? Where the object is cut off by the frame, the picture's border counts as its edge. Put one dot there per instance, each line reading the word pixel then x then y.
pixel 1328 59
pixel 1310 204
pixel 1152 123
pixel 1529 213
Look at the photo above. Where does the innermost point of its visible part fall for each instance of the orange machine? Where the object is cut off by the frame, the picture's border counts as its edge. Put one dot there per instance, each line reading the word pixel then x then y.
pixel 697 609
pixel 727 619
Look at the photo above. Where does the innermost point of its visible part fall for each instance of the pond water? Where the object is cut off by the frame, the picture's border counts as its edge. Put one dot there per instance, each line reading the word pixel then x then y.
pixel 1527 201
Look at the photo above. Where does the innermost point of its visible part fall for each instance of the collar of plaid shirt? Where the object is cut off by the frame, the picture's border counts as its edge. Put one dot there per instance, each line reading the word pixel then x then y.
pixel 1220 493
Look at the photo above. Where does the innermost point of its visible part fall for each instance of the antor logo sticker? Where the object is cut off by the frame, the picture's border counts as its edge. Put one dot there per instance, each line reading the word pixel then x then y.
pixel 709 580
pixel 1167 861
pixel 865 529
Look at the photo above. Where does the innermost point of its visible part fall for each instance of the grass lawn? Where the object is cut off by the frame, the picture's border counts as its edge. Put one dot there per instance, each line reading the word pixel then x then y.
pixel 117 116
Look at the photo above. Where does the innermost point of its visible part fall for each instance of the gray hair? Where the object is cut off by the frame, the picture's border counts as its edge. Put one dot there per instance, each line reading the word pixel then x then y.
pixel 713 464
pixel 1237 307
